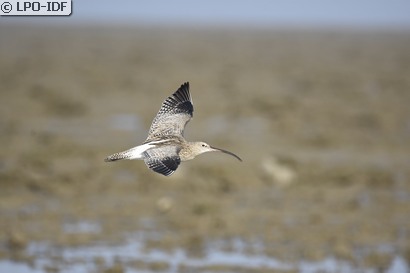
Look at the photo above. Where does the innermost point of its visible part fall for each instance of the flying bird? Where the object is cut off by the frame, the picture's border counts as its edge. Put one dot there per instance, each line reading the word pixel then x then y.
pixel 165 146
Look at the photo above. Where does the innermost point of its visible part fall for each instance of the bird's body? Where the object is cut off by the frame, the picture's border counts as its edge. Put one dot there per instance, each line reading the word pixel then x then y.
pixel 165 146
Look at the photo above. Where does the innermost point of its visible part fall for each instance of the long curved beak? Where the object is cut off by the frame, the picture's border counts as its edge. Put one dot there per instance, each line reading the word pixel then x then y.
pixel 226 152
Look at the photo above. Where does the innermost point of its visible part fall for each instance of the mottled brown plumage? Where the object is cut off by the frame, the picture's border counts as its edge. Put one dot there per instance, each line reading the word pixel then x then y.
pixel 165 146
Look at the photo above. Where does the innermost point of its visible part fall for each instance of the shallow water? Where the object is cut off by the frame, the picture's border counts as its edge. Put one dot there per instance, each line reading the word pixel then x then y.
pixel 133 257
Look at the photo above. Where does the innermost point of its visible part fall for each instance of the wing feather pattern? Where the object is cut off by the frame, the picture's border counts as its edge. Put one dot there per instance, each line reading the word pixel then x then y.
pixel 164 160
pixel 176 111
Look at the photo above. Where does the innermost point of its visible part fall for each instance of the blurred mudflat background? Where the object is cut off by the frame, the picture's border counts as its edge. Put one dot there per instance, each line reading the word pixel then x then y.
pixel 321 120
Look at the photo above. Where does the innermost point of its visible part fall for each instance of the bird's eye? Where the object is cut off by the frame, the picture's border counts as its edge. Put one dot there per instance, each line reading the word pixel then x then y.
pixel 203 145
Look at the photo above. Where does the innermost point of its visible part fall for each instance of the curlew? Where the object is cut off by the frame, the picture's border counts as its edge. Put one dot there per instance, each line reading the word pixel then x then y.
pixel 165 146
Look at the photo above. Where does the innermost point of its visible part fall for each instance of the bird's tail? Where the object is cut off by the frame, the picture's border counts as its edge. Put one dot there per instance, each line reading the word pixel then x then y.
pixel 118 156
pixel 133 153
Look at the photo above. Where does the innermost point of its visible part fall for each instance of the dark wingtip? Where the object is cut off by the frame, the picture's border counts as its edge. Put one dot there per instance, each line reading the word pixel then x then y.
pixel 184 91
pixel 181 100
pixel 185 85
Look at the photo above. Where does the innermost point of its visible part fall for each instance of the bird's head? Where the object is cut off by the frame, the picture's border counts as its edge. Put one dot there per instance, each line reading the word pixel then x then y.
pixel 202 147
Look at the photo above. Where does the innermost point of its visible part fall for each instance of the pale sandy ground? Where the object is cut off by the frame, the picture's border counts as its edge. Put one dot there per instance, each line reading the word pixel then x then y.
pixel 321 119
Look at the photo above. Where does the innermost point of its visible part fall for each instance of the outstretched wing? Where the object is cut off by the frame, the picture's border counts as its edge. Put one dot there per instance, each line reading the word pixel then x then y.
pixel 174 114
pixel 164 160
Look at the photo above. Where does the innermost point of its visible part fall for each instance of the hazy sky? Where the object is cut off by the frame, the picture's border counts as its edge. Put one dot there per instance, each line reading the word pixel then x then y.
pixel 257 12
pixel 374 13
